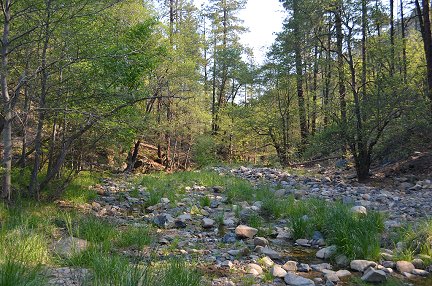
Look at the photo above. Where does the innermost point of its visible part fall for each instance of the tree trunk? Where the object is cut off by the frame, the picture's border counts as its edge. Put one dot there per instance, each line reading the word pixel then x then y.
pixel 362 164
pixel 132 157
pixel 341 72
pixel 299 75
pixel 425 27
pixel 327 76
pixel 392 40
pixel 315 91
pixel 7 107
pixel 404 52
pixel 34 185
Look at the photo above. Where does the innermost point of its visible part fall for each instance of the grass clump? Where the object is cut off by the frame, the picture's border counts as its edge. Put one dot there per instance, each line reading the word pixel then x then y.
pixel 108 268
pixel 94 229
pixel 415 240
pixel 114 269
pixel 13 273
pixel 169 185
pixel 276 207
pixel 356 236
pixel 22 252
pixel 255 220
pixel 78 191
pixel 136 237
pixel 178 273
pixel 205 201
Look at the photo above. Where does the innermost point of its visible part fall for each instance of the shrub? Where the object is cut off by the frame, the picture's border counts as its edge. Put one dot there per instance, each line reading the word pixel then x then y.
pixel 204 151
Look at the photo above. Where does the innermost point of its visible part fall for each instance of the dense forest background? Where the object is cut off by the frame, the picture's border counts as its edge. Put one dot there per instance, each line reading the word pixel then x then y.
pixel 131 84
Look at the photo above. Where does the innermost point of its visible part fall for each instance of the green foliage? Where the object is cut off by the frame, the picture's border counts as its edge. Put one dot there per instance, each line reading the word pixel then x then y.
pixel 324 143
pixel 356 236
pixel 171 185
pixel 415 239
pixel 95 230
pixel 14 273
pixel 276 207
pixel 204 151
pixel 177 273
pixel 109 268
pixel 78 190
pixel 205 201
pixel 255 220
pixel 137 237
pixel 23 246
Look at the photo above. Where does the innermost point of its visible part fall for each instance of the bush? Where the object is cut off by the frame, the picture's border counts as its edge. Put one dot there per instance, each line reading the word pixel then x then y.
pixel 204 151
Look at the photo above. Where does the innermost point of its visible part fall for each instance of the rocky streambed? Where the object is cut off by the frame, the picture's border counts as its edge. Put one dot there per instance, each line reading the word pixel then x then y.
pixel 203 225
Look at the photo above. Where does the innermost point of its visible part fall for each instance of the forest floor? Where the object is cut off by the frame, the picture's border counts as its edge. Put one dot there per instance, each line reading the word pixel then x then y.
pixel 229 226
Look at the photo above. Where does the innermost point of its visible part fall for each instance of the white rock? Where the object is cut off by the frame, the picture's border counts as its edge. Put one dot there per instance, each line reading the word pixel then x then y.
pixel 278 271
pixel 290 266
pixel 254 269
pixel 359 210
pixel 267 261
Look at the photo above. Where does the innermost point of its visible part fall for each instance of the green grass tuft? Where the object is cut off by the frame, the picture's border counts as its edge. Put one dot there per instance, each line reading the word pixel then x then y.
pixel 137 237
pixel 78 191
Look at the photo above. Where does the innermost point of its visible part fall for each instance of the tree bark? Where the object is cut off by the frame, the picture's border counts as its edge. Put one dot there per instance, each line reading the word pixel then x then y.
pixel 341 72
pixel 425 27
pixel 7 107
pixel 132 157
pixel 34 185
pixel 392 40
pixel 299 76
pixel 404 52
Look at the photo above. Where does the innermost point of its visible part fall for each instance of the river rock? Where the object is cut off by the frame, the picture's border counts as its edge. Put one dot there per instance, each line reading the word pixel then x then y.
pixel 326 252
pixel 420 272
pixel 261 241
pixel 343 273
pixel 418 263
pixel 269 252
pixel 374 276
pixel 244 231
pixel 295 280
pixel 267 261
pixel 290 266
pixel 68 246
pixel 359 210
pixel 254 269
pixel 207 223
pixel 278 271
pixel 404 266
pixel 361 265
